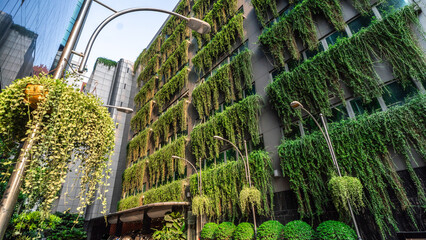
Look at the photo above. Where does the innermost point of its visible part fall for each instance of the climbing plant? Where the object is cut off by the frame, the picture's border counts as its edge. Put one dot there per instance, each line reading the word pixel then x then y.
pixel 146 93
pixel 351 61
pixel 172 120
pixel 362 149
pixel 262 7
pixel 130 202
pixel 141 118
pixel 107 62
pixel 201 8
pixel 148 54
pixel 236 123
pixel 172 192
pixel 133 178
pixel 172 87
pixel 72 129
pixel 150 70
pixel 175 61
pixel 220 44
pixel 138 146
pixel 173 22
pixel 172 43
pixel 228 82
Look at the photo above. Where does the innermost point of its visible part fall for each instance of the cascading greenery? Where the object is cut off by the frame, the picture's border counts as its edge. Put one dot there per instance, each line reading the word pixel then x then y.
pixel 173 22
pixel 228 82
pixel 173 119
pixel 172 192
pixel 220 44
pixel 150 70
pixel 171 88
pixel 138 146
pixel 362 149
pixel 175 61
pixel 141 118
pixel 130 202
pixel 236 123
pixel 147 92
pixel 351 61
pixel 346 189
pixel 71 129
pixel 249 196
pixel 133 178
pixel 262 7
pixel 221 12
pixel 201 8
pixel 107 62
pixel 201 205
pixel 147 55
pixel 172 43
pixel 223 184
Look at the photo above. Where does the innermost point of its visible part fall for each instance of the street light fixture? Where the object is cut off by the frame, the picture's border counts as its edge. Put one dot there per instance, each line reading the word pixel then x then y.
pixel 298 105
pixel 120 109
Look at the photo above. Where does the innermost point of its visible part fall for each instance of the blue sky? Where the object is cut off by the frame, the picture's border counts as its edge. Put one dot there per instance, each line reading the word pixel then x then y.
pixel 126 36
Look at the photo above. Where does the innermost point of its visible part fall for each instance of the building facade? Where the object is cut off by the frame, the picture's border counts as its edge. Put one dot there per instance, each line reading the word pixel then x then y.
pixel 360 64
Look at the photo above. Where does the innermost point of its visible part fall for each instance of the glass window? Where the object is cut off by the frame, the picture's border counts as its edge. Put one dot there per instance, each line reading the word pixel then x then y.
pixel 333 38
pixel 360 107
pixel 396 94
pixel 338 113
pixel 311 54
pixel 359 23
pixel 390 6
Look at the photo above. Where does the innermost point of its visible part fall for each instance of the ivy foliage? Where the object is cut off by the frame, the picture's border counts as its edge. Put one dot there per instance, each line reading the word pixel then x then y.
pixel 209 231
pixel 141 118
pixel 107 62
pixel 61 119
pixel 147 54
pixel 138 146
pixel 221 43
pixel 250 196
pixel 223 184
pixel 298 230
pixel 32 225
pixel 175 61
pixel 346 189
pixel 244 231
pixel 149 70
pixel 331 230
pixel 235 123
pixel 262 8
pixel 351 61
pixel 133 178
pixel 201 205
pixel 270 230
pixel 180 34
pixel 201 8
pixel 362 148
pixel 172 87
pixel 171 25
pixel 229 82
pixel 147 92
pixel 130 202
pixel 225 231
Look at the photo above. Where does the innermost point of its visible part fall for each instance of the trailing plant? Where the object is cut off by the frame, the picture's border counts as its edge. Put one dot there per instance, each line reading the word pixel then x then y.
pixel 331 230
pixel 173 22
pixel 228 82
pixel 162 166
pixel 138 146
pixel 351 61
pixel 249 196
pixel 130 202
pixel 219 15
pixel 133 178
pixel 225 231
pixel 173 229
pixel 149 70
pixel 60 120
pixel 201 205
pixel 175 61
pixel 147 92
pixel 298 230
pixel 147 54
pixel 171 121
pixel 220 44
pixel 362 149
pixel 107 62
pixel 270 230
pixel 201 8
pixel 180 34
pixel 172 192
pixel 141 119
pixel 346 189
pixel 244 231
pixel 262 7
pixel 223 184
pixel 172 87
pixel 236 123
pixel 71 227
pixel 209 231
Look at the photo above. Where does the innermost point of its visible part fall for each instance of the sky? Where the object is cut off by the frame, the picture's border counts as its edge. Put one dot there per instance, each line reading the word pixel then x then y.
pixel 126 36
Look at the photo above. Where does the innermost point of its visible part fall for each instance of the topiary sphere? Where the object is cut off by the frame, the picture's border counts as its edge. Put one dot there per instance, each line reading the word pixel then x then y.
pixel 335 230
pixel 225 231
pixel 298 230
pixel 270 230
pixel 244 231
pixel 209 231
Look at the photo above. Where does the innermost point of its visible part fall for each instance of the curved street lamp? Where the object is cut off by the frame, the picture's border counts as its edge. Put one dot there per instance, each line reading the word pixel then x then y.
pixel 120 109
pixel 298 105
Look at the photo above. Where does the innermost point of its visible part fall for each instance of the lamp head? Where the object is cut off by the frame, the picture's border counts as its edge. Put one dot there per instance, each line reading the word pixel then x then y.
pixel 296 105
pixel 175 157
pixel 218 137
pixel 120 109
pixel 198 25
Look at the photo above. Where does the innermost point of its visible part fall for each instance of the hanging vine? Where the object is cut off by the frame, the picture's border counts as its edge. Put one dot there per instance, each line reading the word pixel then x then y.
pixel 173 22
pixel 147 55
pixel 262 8
pixel 130 202
pixel 202 7
pixel 62 117
pixel 229 81
pixel 220 44
pixel 172 192
pixel 175 61
pixel 351 61
pixel 173 42
pixel 133 178
pixel 236 123
pixel 138 146
pixel 147 92
pixel 362 151
pixel 141 118
pixel 150 70
pixel 174 86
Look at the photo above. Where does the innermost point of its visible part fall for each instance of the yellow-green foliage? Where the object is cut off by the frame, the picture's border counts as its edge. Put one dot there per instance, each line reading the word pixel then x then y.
pixel 346 189
pixel 138 146
pixel 249 196
pixel 133 178
pixel 171 88
pixel 130 202
pixel 175 61
pixel 201 205
pixel 146 93
pixel 141 118
pixel 172 192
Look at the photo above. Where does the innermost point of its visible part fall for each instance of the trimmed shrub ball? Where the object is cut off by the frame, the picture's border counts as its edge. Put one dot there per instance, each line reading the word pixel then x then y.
pixel 209 231
pixel 298 230
pixel 335 230
pixel 270 230
pixel 225 230
pixel 244 231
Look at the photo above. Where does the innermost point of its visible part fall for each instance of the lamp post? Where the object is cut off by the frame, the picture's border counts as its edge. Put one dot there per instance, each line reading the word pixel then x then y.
pixel 298 105
pixel 196 172
pixel 120 109
pixel 246 168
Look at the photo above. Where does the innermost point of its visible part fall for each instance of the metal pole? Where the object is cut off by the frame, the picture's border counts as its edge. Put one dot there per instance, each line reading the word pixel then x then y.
pixel 72 39
pixel 249 177
pixel 338 171
pixel 11 194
